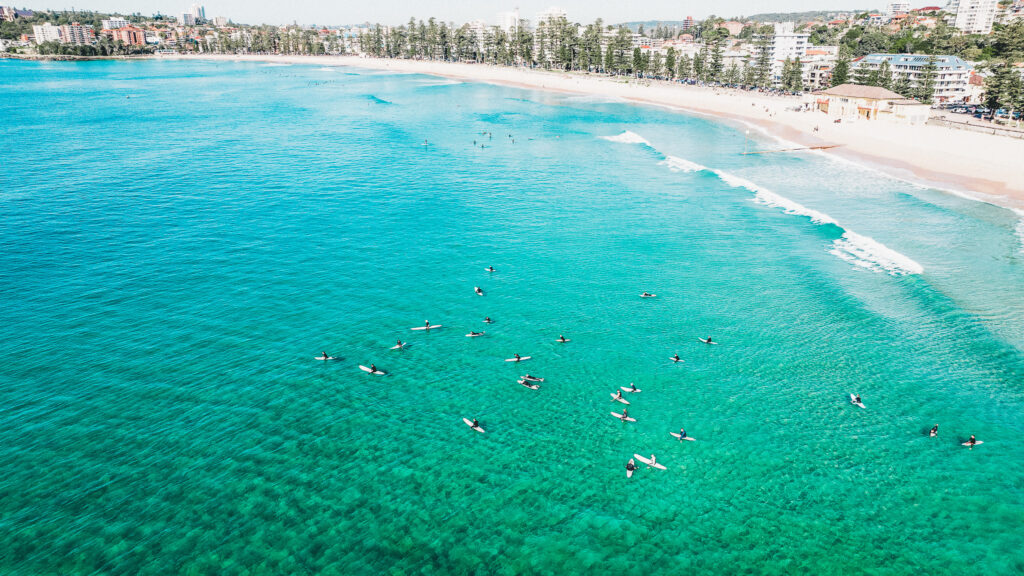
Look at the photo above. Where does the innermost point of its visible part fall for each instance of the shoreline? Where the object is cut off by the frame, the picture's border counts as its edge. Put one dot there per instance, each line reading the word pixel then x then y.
pixel 917 154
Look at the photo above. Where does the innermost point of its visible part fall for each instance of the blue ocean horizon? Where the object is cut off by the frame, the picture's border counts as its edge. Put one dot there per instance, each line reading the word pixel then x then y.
pixel 180 240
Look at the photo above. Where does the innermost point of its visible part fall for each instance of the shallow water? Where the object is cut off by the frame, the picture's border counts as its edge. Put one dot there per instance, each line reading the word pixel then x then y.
pixel 179 240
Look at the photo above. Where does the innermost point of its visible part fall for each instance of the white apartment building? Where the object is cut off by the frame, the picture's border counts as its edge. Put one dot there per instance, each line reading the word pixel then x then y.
pixel 114 23
pixel 974 16
pixel 952 74
pixel 895 8
pixel 508 21
pixel 220 21
pixel 553 13
pixel 46 33
pixel 77 34
pixel 198 12
pixel 787 44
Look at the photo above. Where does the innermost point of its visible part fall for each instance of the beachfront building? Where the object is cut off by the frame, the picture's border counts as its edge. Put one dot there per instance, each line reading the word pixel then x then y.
pixel 851 102
pixel 816 66
pixel 509 21
pixel 129 35
pixel 46 33
pixel 114 23
pixel 974 16
pixel 952 74
pixel 75 33
pixel 786 45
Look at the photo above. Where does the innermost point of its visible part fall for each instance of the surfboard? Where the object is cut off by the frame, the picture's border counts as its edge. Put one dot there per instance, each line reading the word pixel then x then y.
pixel 627 419
pixel 528 385
pixel 426 327
pixel 489 270
pixel 629 473
pixel 401 346
pixel 933 434
pixel 853 400
pixel 677 435
pixel 472 335
pixel 488 321
pixel 478 291
pixel 624 389
pixel 648 295
pixel 470 424
pixel 676 359
pixel 520 359
pixel 566 340
pixel 367 369
pixel 533 379
pixel 322 358
pixel 706 342
pixel 648 462
pixel 968 443
pixel 623 400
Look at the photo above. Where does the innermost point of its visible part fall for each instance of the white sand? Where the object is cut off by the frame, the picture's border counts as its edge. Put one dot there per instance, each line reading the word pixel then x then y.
pixel 983 166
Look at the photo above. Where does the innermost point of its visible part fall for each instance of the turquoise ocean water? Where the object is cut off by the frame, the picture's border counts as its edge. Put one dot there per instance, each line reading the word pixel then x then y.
pixel 179 240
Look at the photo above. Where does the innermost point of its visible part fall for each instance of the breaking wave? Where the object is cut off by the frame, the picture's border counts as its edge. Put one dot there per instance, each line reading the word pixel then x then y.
pixel 628 137
pixel 859 250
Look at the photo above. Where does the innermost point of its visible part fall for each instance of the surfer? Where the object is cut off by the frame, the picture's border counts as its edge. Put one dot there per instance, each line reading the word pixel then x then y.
pixel 646 294
pixel 475 423
pixel 400 343
pixel 561 338
pixel 373 367
pixel 676 358
pixel 471 333
pixel 708 341
pixel 682 434
pixel 517 357
pixel 490 268
pixel 653 460
pixel 618 395
pixel 625 414
pixel 631 465
pixel 325 355
pixel 487 320
pixel 858 399
pixel 427 325
pixel 971 442
pixel 633 386
pixel 935 431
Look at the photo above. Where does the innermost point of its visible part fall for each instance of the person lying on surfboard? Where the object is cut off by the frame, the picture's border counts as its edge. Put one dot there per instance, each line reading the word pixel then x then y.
pixel 631 465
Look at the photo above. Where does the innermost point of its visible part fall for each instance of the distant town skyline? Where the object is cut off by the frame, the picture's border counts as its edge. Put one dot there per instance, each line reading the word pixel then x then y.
pixel 399 11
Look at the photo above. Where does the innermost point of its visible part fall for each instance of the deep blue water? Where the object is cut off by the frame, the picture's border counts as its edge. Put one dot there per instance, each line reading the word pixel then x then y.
pixel 179 240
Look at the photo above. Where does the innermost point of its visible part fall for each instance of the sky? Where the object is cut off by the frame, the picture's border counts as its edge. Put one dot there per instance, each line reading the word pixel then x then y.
pixel 326 12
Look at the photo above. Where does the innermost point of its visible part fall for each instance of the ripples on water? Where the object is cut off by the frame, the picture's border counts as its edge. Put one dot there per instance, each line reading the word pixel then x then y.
pixel 170 263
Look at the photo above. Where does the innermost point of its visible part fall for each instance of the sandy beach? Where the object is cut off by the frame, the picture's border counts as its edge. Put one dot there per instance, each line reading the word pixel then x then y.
pixel 982 166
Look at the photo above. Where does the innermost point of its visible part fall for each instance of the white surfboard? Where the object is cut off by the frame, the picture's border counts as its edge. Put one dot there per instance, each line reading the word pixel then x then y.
pixel 488 321
pixel 648 462
pixel 529 385
pixel 566 340
pixel 520 359
pixel 474 334
pixel 435 326
pixel 706 342
pixel 371 371
pixel 625 389
pixel 853 400
pixel 932 434
pixel 648 295
pixel 615 397
pixel 979 442
pixel 629 473
pixel 489 270
pixel 470 424
pixel 674 359
pixel 533 378
pixel 322 358
pixel 478 291
pixel 626 419
pixel 401 346
pixel 677 435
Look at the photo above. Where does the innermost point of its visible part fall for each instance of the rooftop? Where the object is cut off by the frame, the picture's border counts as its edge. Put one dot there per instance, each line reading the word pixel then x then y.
pixel 868 92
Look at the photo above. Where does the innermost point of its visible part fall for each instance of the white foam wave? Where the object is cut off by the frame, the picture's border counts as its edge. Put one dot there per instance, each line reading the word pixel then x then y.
pixel 871 254
pixel 595 99
pixel 326 69
pixel 628 137
pixel 788 206
pixel 677 164
pixel 859 250
pixel 1020 233
pixel 274 65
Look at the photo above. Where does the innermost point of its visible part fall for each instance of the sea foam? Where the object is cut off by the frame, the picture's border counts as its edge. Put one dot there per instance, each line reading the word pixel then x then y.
pixel 677 164
pixel 628 137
